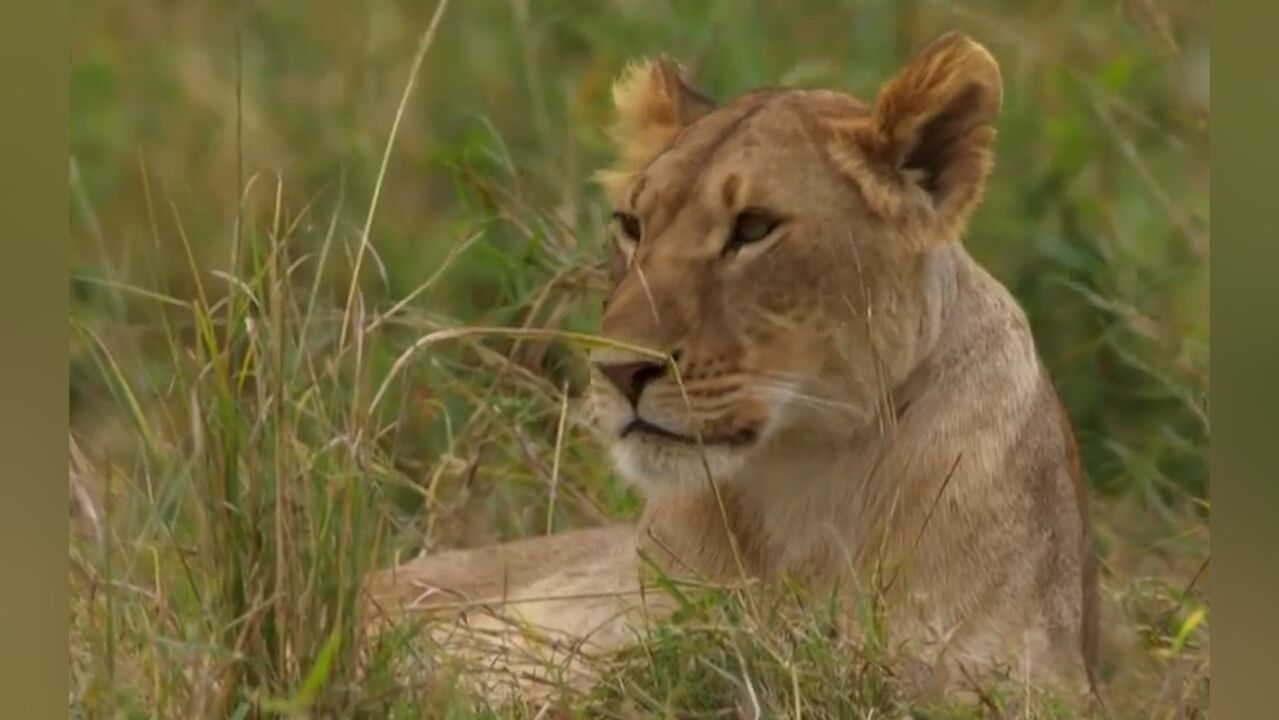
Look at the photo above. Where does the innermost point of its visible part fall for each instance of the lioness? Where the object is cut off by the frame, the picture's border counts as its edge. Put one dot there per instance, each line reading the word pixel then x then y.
pixel 845 390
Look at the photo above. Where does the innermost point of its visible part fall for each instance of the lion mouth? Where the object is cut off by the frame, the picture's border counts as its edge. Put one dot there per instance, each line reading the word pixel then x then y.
pixel 737 438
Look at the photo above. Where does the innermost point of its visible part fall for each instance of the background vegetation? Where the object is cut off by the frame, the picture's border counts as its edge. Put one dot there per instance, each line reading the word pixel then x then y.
pixel 251 430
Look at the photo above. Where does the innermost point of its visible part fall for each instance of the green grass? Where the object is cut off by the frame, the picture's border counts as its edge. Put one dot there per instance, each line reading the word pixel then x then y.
pixel 253 431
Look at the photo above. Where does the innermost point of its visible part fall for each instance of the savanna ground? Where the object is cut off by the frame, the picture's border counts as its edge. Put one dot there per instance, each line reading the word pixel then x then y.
pixel 252 431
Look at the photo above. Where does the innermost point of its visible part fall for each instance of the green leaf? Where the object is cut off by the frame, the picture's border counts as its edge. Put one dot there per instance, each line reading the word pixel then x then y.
pixel 1192 621
pixel 312 683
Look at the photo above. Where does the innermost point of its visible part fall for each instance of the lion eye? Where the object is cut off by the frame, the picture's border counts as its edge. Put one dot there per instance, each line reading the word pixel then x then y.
pixel 750 226
pixel 630 225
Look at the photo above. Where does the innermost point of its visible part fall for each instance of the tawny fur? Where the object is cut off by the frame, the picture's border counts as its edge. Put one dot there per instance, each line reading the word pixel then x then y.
pixel 868 399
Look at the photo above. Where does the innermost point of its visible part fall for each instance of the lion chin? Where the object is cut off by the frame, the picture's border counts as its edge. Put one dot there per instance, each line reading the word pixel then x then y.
pixel 656 465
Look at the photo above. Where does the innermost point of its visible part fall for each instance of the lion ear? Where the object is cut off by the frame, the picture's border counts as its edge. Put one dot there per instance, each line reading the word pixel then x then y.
pixel 652 103
pixel 933 124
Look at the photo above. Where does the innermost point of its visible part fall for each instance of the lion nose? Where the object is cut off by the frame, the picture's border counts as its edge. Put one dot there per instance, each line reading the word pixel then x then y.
pixel 631 378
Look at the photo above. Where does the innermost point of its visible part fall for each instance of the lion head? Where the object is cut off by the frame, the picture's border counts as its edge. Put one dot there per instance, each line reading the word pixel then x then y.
pixel 784 253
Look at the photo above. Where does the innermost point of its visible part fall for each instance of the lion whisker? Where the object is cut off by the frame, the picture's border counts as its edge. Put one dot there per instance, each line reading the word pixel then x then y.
pixel 790 392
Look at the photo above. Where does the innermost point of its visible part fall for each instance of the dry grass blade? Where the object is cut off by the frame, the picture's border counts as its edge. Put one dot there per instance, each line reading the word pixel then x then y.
pixel 428 38
pixel 555 467
pixel 533 334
